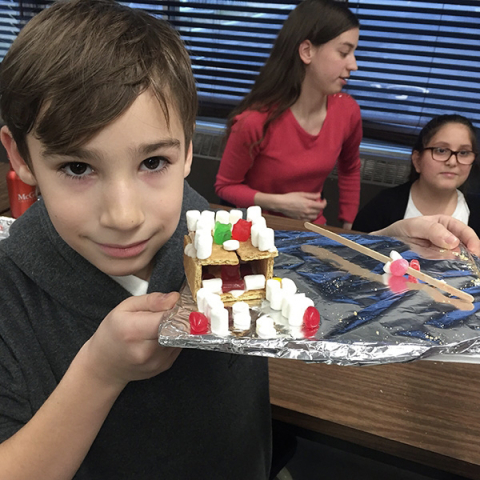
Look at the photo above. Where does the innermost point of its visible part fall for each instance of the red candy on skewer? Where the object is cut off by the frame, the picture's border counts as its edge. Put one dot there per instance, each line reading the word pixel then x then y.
pixel 399 267
pixel 198 323
pixel 415 264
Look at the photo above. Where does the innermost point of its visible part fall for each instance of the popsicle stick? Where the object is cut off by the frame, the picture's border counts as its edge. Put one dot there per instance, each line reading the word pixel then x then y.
pixel 384 259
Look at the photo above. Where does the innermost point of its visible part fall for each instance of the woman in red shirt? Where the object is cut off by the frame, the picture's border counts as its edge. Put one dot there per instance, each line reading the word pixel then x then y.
pixel 295 125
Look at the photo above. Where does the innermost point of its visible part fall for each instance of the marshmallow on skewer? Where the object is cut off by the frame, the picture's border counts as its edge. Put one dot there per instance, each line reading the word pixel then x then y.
pixel 241 315
pixel 254 282
pixel 192 219
pixel 235 216
pixel 219 320
pixel 265 327
pixel 253 212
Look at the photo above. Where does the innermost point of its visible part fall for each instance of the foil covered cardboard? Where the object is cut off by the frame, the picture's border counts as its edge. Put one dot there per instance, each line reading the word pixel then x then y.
pixel 363 322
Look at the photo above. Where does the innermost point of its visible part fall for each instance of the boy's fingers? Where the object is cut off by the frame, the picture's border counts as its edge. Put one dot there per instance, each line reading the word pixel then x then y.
pixel 151 302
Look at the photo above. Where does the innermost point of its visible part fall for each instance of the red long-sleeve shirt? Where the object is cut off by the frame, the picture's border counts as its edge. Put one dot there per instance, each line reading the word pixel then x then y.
pixel 291 160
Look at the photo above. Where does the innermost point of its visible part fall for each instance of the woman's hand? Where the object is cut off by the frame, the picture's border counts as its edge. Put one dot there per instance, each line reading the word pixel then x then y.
pixel 441 230
pixel 125 346
pixel 300 205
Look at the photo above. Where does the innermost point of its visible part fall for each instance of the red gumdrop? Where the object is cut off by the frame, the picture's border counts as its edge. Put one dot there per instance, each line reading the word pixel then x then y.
pixel 397 284
pixel 399 267
pixel 198 323
pixel 412 279
pixel 232 284
pixel 309 332
pixel 241 230
pixel 311 318
pixel 415 264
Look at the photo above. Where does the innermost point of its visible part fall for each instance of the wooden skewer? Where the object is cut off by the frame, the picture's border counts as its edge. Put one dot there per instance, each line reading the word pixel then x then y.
pixel 384 259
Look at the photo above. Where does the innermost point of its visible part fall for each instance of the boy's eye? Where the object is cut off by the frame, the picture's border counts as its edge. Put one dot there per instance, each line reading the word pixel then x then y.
pixel 77 169
pixel 154 163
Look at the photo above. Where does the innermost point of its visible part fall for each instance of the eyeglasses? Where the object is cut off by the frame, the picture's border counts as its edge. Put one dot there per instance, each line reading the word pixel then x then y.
pixel 441 154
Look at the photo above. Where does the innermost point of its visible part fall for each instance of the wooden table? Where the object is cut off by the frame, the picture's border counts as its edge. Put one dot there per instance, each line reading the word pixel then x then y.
pixel 424 411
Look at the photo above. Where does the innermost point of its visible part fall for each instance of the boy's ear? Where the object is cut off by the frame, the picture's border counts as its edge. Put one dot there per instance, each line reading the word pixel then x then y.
pixel 16 160
pixel 188 160
pixel 305 50
pixel 416 160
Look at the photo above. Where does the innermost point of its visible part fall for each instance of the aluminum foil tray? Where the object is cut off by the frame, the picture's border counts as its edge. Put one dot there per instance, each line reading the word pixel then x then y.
pixel 362 321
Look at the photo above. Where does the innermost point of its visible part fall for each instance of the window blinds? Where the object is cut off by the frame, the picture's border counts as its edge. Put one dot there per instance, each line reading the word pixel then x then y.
pixel 416 59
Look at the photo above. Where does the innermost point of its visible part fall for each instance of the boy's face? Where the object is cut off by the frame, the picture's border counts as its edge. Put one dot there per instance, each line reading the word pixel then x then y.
pixel 117 200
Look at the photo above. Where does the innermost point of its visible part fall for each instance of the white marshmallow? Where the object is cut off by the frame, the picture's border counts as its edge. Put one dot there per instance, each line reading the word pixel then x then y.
pixel 254 233
pixel 235 216
pixel 231 245
pixel 266 239
pixel 394 255
pixel 213 285
pixel 276 299
pixel 265 327
pixel 203 244
pixel 209 217
pixel 259 221
pixel 202 294
pixel 288 286
pixel 254 282
pixel 253 212
pixel 204 225
pixel 386 267
pixel 272 285
pixel 212 301
pixel 222 216
pixel 192 218
pixel 219 320
pixel 288 300
pixel 190 250
pixel 298 306
pixel 241 315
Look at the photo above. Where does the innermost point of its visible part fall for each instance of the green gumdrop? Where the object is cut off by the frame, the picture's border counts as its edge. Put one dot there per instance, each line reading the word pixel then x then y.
pixel 222 232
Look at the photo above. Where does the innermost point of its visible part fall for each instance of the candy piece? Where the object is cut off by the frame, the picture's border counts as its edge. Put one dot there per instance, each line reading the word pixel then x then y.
pixel 254 232
pixel 265 327
pixel 260 221
pixel 311 318
pixel 203 244
pixel 309 332
pixel 198 323
pixel 230 272
pixel 231 245
pixel 266 239
pixel 241 315
pixel 253 212
pixel 412 279
pixel 271 285
pixel 207 218
pixel 222 216
pixel 219 320
pixel 288 286
pixel 213 285
pixel 397 284
pixel 222 233
pixel 399 267
pixel 415 264
pixel 254 282
pixel 192 219
pixel 241 230
pixel 394 255
pixel 235 216
pixel 229 285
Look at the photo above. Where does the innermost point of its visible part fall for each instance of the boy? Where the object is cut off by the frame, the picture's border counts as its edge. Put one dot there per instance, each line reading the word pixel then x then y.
pixel 99 103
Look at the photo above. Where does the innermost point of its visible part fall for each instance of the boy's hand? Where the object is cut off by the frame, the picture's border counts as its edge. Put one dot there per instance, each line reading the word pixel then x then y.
pixel 125 346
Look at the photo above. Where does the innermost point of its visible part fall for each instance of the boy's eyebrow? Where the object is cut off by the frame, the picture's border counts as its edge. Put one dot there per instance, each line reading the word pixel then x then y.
pixel 143 149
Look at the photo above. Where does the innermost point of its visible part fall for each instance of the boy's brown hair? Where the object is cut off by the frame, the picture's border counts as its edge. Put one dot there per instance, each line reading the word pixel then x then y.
pixel 78 65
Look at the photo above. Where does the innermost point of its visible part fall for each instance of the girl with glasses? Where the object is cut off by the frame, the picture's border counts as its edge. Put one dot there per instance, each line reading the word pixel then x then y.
pixel 442 158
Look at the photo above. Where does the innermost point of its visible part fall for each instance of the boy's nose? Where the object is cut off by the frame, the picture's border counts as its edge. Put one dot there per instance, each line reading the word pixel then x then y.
pixel 121 207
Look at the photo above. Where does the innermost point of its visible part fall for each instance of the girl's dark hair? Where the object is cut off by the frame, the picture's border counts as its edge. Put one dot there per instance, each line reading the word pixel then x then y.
pixel 431 129
pixel 279 82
